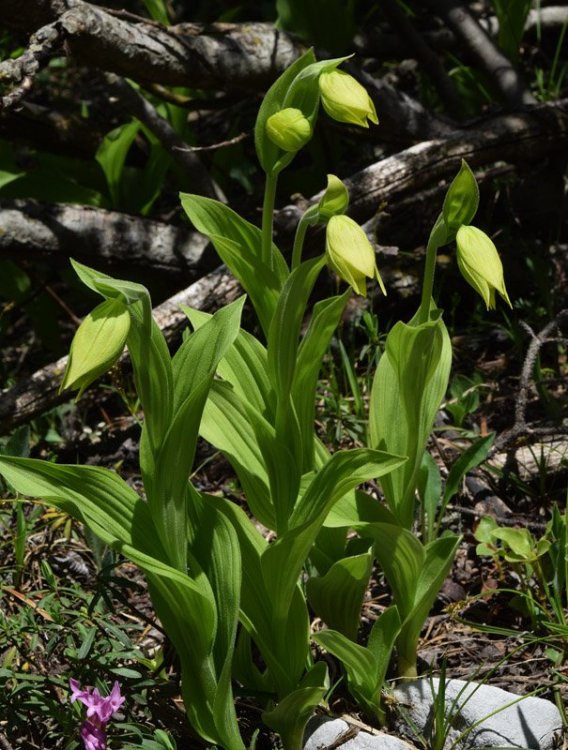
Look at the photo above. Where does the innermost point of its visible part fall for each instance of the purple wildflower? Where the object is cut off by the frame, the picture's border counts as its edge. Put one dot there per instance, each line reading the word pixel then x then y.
pixel 100 710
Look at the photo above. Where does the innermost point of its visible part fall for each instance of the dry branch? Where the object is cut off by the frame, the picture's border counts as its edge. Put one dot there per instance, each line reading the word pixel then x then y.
pixel 237 57
pixel 483 49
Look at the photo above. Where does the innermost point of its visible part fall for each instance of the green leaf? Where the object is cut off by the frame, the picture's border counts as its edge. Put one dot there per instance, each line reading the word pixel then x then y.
pixel 228 424
pixel 285 657
pixel 244 366
pixel 408 387
pixel 337 596
pixel 323 323
pixel 429 486
pixel 239 244
pixel 285 327
pixel 283 560
pixel 290 716
pixel 193 368
pixel 158 11
pixel 366 667
pixel 470 458
pixel 111 155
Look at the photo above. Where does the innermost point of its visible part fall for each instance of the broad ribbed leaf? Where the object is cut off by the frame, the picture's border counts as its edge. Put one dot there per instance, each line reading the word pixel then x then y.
pixel 283 560
pixel 285 657
pixel 323 323
pixel 283 338
pixel 227 424
pixel 408 387
pixel 238 243
pixel 337 596
pixel 360 666
pixel 244 366
pixel 290 716
pixel 193 367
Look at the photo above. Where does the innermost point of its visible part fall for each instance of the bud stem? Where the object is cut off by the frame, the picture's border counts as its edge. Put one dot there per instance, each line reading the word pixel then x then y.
pixel 267 216
pixel 428 281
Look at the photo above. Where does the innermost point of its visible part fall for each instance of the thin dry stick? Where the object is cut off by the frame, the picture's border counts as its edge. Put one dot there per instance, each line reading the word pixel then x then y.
pixel 538 340
pixel 483 49
pixel 173 143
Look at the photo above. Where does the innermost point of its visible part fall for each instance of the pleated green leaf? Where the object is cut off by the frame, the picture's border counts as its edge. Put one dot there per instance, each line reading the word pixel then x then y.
pixel 290 716
pixel 337 597
pixel 314 345
pixel 408 388
pixel 244 366
pixel 283 560
pixel 193 368
pixel 238 243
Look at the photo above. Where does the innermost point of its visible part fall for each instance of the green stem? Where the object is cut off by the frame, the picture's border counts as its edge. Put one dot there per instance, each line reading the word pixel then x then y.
pixel 428 282
pixel 267 216
pixel 301 230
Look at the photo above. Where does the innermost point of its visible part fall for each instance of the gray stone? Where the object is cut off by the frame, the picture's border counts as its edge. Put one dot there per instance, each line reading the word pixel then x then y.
pixel 529 722
pixel 322 732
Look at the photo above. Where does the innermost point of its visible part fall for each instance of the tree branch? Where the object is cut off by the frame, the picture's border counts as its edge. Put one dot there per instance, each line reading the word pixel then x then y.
pixel 483 49
pixel 238 57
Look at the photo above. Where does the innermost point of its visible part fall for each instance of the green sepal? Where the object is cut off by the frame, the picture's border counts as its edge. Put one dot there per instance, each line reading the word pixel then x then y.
pixel 461 201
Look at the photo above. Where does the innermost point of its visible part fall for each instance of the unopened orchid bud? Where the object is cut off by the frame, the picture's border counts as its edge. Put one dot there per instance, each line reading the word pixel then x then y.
pixel 289 129
pixel 480 264
pixel 345 100
pixel 97 344
pixel 350 254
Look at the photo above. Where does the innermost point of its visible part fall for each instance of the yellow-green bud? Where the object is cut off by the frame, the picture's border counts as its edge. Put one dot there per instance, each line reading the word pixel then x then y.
pixel 97 344
pixel 350 254
pixel 480 264
pixel 335 199
pixel 345 100
pixel 289 129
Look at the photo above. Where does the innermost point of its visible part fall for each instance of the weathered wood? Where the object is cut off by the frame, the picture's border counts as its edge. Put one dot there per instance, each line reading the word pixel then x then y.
pixel 29 229
pixel 36 394
pixel 245 57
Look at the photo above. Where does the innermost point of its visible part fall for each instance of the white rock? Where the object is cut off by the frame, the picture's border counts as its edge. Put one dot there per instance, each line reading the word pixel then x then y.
pixel 322 732
pixel 530 722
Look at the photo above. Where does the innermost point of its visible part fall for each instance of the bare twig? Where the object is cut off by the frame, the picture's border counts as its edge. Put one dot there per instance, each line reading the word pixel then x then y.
pixel 483 49
pixel 141 108
pixel 538 340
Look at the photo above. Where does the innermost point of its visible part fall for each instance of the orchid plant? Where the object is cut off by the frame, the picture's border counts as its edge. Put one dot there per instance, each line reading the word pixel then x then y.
pixel 220 589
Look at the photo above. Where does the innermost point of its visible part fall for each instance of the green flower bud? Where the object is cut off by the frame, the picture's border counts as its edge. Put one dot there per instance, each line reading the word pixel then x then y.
pixel 345 100
pixel 461 201
pixel 289 129
pixel 350 254
pixel 335 199
pixel 97 344
pixel 480 264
